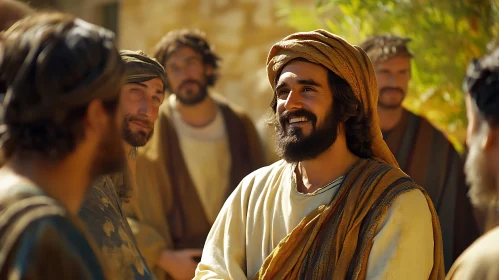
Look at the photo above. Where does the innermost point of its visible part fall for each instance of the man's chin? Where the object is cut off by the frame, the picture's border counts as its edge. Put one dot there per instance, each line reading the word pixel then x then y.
pixel 390 106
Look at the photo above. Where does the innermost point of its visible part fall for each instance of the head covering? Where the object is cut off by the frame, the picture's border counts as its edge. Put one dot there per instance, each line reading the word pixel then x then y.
pixel 53 63
pixel 12 11
pixel 140 68
pixel 384 47
pixel 347 61
pixel 482 83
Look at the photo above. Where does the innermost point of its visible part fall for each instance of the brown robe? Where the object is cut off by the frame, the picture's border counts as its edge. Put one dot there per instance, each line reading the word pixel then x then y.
pixel 426 155
pixel 165 211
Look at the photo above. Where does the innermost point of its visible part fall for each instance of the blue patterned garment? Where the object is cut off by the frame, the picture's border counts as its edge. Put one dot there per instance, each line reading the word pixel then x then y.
pixel 102 214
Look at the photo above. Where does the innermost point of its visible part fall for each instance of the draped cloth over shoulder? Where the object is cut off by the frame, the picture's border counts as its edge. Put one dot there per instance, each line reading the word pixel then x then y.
pixel 349 62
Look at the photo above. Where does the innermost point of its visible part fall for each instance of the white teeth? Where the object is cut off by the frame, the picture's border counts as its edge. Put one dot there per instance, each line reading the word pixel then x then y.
pixel 296 120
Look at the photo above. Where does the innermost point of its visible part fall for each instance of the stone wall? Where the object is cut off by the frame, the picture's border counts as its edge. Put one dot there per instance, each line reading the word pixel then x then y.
pixel 242 32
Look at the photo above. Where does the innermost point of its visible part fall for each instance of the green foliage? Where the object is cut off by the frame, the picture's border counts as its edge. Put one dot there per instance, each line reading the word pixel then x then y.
pixel 446 35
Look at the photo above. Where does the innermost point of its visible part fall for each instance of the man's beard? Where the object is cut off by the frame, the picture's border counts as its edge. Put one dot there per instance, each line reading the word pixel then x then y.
pixel 190 97
pixel 293 146
pixel 479 178
pixel 110 156
pixel 139 138
pixel 384 105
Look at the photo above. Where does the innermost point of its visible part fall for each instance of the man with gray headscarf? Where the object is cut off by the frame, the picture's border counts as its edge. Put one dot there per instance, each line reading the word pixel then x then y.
pixel 421 150
pixel 59 132
pixel 102 211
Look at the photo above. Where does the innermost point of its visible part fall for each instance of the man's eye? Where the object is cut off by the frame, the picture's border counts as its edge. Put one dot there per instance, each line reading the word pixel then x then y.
pixel 282 93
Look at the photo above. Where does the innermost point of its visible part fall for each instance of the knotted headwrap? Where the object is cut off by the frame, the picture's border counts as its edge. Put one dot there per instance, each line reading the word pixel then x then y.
pixel 482 83
pixel 384 47
pixel 348 62
pixel 140 68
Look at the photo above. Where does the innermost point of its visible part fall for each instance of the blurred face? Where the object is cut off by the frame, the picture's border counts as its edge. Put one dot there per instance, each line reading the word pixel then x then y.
pixel 305 123
pixel 478 168
pixel 110 157
pixel 187 74
pixel 139 106
pixel 393 77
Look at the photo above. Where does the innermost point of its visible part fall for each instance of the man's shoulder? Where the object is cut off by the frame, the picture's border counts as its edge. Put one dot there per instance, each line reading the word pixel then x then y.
pixel 223 102
pixel 390 180
pixel 480 260
pixel 424 123
pixel 51 238
pixel 374 166
pixel 263 174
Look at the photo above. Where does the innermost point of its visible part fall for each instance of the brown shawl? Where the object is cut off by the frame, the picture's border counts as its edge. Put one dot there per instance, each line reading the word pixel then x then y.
pixel 334 241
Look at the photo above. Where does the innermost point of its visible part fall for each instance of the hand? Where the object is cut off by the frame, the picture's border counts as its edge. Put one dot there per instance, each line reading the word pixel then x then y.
pixel 180 264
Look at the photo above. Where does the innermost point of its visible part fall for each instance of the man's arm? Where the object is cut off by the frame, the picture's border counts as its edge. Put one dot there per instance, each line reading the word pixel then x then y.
pixel 403 244
pixel 224 253
pixel 149 241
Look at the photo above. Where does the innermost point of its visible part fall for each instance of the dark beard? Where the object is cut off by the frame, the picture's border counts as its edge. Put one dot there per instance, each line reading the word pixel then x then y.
pixel 110 156
pixel 390 106
pixel 481 182
pixel 139 138
pixel 189 97
pixel 293 146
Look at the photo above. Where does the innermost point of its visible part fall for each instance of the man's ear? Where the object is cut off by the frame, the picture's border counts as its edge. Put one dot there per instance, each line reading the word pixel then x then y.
pixel 208 70
pixel 490 138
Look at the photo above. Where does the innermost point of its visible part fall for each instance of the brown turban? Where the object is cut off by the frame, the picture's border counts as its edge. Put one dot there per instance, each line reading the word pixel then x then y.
pixel 140 68
pixel 349 62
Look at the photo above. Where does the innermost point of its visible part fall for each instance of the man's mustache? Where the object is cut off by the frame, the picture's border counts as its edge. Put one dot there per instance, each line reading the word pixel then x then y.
pixel 145 122
pixel 190 81
pixel 385 89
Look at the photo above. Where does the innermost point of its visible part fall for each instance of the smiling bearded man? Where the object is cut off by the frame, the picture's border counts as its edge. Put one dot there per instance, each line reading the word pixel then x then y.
pixel 140 98
pixel 337 206
pixel 421 150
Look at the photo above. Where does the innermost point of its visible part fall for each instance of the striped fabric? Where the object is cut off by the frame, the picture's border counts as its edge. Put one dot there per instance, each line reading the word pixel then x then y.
pixel 426 155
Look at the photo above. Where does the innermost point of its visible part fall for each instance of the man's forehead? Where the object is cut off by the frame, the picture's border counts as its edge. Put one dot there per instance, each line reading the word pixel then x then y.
pixel 396 62
pixel 301 71
pixel 182 53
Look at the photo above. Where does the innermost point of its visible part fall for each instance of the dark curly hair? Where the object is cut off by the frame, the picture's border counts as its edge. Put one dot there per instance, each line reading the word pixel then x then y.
pixel 53 66
pixel 482 83
pixel 349 110
pixel 193 39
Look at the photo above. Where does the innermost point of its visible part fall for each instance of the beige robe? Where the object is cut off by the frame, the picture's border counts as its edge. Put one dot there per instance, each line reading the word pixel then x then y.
pixel 258 222
pixel 165 211
pixel 480 261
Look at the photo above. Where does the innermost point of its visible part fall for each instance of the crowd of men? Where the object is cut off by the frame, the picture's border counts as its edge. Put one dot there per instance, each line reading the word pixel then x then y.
pixel 123 165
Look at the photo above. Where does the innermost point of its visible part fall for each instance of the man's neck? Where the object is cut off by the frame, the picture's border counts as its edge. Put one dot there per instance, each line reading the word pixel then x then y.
pixel 198 115
pixel 131 155
pixel 330 165
pixel 66 180
pixel 389 118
